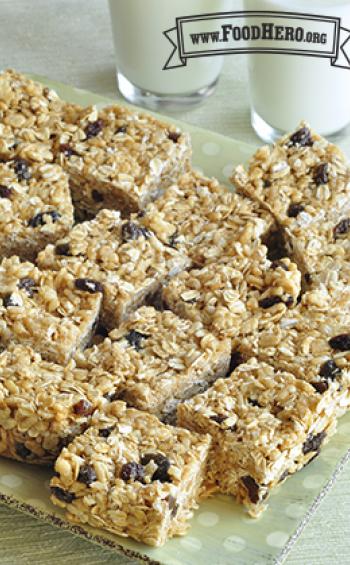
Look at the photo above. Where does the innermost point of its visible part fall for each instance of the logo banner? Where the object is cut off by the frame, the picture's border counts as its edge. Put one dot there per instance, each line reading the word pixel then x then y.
pixel 227 33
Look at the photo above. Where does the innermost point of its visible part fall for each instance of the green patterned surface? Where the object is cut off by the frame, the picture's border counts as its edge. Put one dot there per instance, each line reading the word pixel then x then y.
pixel 221 533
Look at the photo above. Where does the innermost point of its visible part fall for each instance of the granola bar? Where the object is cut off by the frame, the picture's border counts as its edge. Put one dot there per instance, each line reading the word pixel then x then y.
pixel 53 312
pixel 206 220
pixel 304 181
pixel 127 259
pixel 160 359
pixel 312 341
pixel 35 207
pixel 131 475
pixel 265 425
pixel 29 113
pixel 224 299
pixel 118 159
pixel 44 405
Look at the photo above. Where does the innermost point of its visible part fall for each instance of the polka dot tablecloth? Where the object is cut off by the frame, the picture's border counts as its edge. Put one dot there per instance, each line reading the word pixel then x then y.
pixel 221 534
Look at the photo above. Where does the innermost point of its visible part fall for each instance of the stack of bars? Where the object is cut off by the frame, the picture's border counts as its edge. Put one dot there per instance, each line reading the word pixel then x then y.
pixel 164 338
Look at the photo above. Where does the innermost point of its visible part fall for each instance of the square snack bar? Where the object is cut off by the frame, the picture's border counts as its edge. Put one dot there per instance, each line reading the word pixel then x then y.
pixel 44 405
pixel 205 220
pixel 312 341
pixel 127 259
pixel 35 207
pixel 53 312
pixel 131 475
pixel 166 359
pixel 265 425
pixel 246 292
pixel 29 113
pixel 304 181
pixel 119 159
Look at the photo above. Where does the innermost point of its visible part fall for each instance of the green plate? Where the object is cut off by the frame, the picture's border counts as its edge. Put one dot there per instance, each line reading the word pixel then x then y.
pixel 221 533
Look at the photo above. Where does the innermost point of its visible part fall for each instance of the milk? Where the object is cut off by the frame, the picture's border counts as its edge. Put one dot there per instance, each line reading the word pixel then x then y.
pixel 141 49
pixel 285 89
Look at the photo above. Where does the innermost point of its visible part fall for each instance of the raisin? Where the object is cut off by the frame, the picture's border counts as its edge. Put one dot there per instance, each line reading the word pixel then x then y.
pixel 121 129
pixel 289 301
pixel 163 464
pixel 88 285
pixel 93 129
pixel 340 342
pixel 21 167
pixel 102 331
pixel 218 419
pixel 131 231
pixel 252 487
pixel 254 402
pixel 294 210
pixel 22 451
pixel 97 196
pixel 83 408
pixel 267 183
pixel 173 506
pixel 62 249
pixel 39 219
pixel 5 191
pixel 132 472
pixel 63 495
pixel 27 284
pixel 330 370
pixel 173 239
pixel 342 228
pixel 236 360
pixel 67 150
pixel 302 137
pixel 174 136
pixel 320 174
pixel 313 442
pixel 105 432
pixel 134 338
pixel 87 475
pixel 320 386
pixel 10 301
pixel 269 301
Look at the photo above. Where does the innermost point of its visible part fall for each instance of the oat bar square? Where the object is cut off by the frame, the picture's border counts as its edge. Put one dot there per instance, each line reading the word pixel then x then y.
pixel 44 405
pixel 126 258
pixel 53 312
pixel 245 290
pixel 206 220
pixel 131 475
pixel 117 158
pixel 265 425
pixel 35 207
pixel 304 181
pixel 161 358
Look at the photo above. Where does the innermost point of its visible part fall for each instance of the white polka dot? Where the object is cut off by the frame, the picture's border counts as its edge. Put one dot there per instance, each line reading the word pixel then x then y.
pixel 210 148
pixel 313 481
pixel 277 539
pixel 11 481
pixel 234 544
pixel 191 543
pixel 227 170
pixel 208 519
pixel 295 510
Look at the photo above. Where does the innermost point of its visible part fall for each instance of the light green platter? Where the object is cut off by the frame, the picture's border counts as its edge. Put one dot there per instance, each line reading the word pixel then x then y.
pixel 221 533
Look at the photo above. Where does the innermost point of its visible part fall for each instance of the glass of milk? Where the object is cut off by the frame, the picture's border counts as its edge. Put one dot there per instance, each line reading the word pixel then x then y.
pixel 285 89
pixel 141 51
